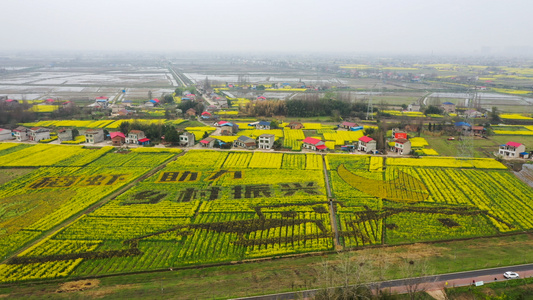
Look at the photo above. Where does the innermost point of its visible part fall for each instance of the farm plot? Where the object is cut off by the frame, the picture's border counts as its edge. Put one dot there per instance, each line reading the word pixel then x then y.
pixel 205 207
pixel 41 198
pixel 413 200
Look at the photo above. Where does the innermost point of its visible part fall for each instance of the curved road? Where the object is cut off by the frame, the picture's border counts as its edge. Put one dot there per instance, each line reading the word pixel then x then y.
pixel 436 282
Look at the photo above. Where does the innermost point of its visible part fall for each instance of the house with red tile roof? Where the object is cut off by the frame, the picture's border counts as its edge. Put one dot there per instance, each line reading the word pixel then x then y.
pixel 117 138
pixel 511 149
pixel 366 144
pixel 313 144
pixel 347 125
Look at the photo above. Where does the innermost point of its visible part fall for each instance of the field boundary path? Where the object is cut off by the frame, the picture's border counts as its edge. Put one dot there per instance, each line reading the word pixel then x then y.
pixel 331 201
pixel 91 208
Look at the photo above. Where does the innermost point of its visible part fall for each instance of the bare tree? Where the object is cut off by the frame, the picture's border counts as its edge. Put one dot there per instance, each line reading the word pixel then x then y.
pixel 415 271
pixel 345 278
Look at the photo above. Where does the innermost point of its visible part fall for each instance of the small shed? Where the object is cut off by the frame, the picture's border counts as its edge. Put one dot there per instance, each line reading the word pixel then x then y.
pixel 144 141
pixel 524 155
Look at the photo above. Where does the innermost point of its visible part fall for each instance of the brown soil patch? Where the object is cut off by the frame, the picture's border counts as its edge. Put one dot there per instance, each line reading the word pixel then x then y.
pixel 108 290
pixel 76 286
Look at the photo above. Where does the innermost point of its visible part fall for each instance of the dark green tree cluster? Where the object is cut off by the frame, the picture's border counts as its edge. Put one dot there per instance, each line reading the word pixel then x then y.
pixel 315 108
pixel 431 109
pixel 185 105
pixel 152 131
pixel 179 91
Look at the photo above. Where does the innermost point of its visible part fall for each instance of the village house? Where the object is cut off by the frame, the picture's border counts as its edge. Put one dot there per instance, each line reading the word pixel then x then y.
pixel 207 116
pixel 124 112
pixel 463 128
pixel 398 134
pixel 93 136
pixel 39 133
pixel 471 113
pixel 263 125
pixel 21 133
pixel 348 125
pixel 313 144
pixel 115 108
pixel 402 146
pixel 448 107
pixel 478 130
pixel 5 134
pixel 65 134
pixel 208 142
pixel 134 136
pixel 413 107
pixel 187 139
pixel 366 144
pixel 266 141
pixel 229 129
pixel 295 125
pixel 245 142
pixel 191 112
pixel 117 138
pixel 511 149
pixel 100 102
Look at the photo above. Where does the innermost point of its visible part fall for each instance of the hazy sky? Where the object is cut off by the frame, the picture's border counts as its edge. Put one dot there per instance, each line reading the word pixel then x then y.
pixel 393 26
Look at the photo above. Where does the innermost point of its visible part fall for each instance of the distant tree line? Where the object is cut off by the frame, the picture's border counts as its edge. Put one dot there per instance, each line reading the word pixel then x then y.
pixel 304 108
pixel 13 113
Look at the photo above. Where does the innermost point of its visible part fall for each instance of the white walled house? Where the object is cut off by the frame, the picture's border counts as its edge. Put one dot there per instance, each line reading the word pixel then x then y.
pixel 402 146
pixel 187 139
pixel 93 136
pixel 65 135
pixel 511 149
pixel 266 141
pixel 21 133
pixel 5 134
pixel 134 136
pixel 366 144
pixel 39 133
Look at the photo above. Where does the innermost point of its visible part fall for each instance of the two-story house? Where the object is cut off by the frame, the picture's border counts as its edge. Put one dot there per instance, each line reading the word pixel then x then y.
pixel 134 136
pixel 93 136
pixel 366 144
pixel 187 139
pixel 39 133
pixel 21 133
pixel 266 141
pixel 511 149
pixel 5 134
pixel 65 134
pixel 402 146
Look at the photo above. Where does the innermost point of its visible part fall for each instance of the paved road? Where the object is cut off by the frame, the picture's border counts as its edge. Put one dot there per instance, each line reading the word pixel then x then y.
pixel 425 283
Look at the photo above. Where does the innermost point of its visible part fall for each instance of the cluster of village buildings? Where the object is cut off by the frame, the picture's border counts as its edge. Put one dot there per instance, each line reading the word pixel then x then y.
pixel 398 142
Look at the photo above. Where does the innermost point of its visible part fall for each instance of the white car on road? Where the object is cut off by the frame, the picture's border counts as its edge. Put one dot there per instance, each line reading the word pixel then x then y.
pixel 510 275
